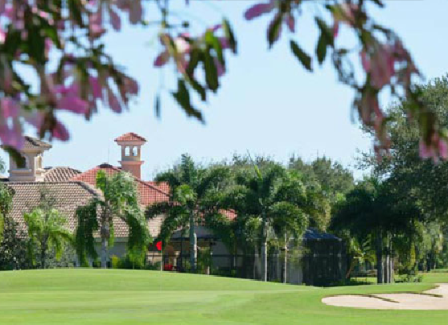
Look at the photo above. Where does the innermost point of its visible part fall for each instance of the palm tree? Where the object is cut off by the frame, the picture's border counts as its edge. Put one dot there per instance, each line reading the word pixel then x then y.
pixel 47 230
pixel 276 199
pixel 119 200
pixel 195 195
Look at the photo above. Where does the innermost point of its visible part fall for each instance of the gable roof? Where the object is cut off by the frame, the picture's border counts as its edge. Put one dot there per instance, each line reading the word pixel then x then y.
pixel 131 136
pixel 60 174
pixel 32 143
pixel 68 197
pixel 148 193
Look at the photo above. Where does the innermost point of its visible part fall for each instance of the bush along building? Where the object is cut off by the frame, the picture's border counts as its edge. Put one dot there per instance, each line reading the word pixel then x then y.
pixel 318 260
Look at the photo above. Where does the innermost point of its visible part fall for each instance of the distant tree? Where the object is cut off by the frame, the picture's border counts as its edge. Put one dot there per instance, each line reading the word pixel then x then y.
pixel 275 200
pixel 195 196
pixel 119 200
pixel 423 180
pixel 335 180
pixel 6 195
pixel 46 230
pixel 13 247
pixel 375 209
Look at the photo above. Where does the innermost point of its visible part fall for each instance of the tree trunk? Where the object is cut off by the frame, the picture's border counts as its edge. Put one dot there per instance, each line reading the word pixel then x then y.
pixel 386 267
pixel 350 270
pixel 193 245
pixel 285 263
pixel 105 233
pixel 391 263
pixel 264 252
pixel 43 255
pixel 379 259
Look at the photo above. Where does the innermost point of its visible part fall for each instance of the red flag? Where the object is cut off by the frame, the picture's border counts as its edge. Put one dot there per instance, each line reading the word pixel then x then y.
pixel 159 246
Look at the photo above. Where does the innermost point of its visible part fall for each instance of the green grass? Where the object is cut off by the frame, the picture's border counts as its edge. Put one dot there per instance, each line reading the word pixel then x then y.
pixel 82 296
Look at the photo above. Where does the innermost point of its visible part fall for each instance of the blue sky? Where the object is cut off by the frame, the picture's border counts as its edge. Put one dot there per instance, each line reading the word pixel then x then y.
pixel 268 104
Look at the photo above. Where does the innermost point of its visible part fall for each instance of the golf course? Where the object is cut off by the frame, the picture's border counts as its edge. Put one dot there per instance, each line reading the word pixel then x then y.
pixel 93 296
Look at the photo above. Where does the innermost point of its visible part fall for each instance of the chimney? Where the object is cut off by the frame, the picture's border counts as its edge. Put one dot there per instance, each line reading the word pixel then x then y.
pixel 30 167
pixel 131 144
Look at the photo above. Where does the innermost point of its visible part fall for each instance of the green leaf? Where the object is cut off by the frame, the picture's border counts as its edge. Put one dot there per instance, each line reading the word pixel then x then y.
pixel 211 73
pixel 304 58
pixel 182 96
pixel 214 42
pixel 198 88
pixel 101 180
pixel 274 29
pixel 325 31
pixel 228 33
pixel 321 49
pixel 195 57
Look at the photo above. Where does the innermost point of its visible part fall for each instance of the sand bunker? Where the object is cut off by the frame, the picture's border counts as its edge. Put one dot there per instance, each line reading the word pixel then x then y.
pixel 434 299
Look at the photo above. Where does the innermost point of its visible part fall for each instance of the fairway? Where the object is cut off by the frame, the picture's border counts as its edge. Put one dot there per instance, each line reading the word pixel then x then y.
pixel 89 296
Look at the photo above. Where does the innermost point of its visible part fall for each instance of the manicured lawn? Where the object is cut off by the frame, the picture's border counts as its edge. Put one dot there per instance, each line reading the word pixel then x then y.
pixel 84 296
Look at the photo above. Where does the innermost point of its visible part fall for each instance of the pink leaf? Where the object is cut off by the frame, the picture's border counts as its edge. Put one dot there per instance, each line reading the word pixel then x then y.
pixel 443 149
pixel 115 19
pixel 162 59
pixel 10 108
pixel 291 23
pixel 95 86
pixel 60 132
pixel 131 86
pixel 219 68
pixel 259 9
pixel 12 137
pixel 73 104
pixel 365 61
pixel 136 11
pixel 114 103
pixel 425 151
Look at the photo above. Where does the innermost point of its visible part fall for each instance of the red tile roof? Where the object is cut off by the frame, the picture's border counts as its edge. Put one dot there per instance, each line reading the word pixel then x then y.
pixel 162 186
pixel 230 214
pixel 68 197
pixel 60 174
pixel 131 136
pixel 149 193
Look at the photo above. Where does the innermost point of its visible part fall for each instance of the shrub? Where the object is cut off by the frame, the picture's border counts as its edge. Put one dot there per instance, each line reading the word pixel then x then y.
pixel 115 262
pixel 13 248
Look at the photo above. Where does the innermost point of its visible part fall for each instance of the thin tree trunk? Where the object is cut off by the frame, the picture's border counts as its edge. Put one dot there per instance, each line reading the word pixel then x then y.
pixel 193 245
pixel 285 263
pixel 391 263
pixel 264 253
pixel 379 259
pixel 105 233
pixel 43 255
pixel 255 274
pixel 350 270
pixel 386 268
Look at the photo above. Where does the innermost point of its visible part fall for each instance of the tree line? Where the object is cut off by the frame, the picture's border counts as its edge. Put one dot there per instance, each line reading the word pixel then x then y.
pixel 394 219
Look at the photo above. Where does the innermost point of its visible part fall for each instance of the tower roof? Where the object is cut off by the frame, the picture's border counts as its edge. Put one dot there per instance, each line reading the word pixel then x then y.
pixel 32 143
pixel 129 137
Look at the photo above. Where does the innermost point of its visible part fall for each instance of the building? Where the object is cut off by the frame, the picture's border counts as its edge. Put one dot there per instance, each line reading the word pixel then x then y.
pixel 72 188
pixel 319 260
